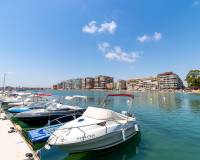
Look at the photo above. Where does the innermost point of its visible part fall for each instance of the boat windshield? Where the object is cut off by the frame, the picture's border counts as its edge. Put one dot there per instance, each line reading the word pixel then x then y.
pixel 37 105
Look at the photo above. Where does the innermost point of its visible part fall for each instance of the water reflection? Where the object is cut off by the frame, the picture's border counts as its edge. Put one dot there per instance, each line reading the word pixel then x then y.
pixel 165 101
pixel 194 104
pixel 122 152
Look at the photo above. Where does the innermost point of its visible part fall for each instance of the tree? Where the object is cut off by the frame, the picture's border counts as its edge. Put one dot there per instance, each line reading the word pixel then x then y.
pixel 193 78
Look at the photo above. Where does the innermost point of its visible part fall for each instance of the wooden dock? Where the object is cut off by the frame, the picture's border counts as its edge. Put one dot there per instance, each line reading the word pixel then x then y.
pixel 13 146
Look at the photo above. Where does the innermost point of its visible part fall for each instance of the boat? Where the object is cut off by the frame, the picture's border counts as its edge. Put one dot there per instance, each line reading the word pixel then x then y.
pixel 8 100
pixel 26 101
pixel 96 129
pixel 33 105
pixel 42 134
pixel 40 117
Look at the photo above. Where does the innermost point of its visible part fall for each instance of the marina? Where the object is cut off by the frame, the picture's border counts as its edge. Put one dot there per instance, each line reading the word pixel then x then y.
pixel 171 118
pixel 100 80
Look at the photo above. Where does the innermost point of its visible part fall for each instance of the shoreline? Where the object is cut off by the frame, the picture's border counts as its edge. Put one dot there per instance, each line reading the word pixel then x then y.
pixel 159 91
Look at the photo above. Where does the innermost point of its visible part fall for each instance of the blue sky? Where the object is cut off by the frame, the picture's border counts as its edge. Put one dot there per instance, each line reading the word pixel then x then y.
pixel 45 41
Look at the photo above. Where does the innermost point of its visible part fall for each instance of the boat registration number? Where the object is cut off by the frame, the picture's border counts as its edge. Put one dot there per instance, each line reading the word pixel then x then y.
pixel 86 137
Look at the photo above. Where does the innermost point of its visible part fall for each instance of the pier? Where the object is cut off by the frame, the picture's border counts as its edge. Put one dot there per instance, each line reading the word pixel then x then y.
pixel 13 145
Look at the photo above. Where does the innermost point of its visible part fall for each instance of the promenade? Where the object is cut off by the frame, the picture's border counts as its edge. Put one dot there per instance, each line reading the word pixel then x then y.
pixel 13 146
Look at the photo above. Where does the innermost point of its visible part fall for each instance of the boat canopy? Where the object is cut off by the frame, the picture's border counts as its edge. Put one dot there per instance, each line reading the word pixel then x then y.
pixel 103 114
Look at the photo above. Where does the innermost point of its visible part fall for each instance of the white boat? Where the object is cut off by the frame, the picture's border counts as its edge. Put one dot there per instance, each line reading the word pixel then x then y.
pixel 96 129
pixel 27 99
pixel 20 102
pixel 12 99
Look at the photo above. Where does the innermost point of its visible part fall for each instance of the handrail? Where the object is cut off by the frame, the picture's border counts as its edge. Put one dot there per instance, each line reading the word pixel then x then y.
pixel 107 120
pixel 79 127
pixel 57 119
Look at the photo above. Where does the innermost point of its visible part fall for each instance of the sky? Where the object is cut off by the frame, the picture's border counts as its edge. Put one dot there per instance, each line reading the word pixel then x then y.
pixel 43 42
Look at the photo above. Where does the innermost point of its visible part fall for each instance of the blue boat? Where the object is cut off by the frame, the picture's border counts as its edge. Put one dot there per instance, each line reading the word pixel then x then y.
pixel 42 134
pixel 18 109
pixel 23 108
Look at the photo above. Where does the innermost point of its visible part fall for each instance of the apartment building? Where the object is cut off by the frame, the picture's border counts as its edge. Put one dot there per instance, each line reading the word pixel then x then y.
pixel 120 85
pixel 69 84
pixel 142 84
pixel 100 82
pixel 169 80
pixel 77 83
pixel 88 83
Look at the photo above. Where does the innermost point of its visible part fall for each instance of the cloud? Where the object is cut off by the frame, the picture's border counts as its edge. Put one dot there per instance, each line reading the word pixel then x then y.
pixel 117 54
pixel 108 27
pixel 143 38
pixel 103 46
pixel 195 3
pixel 91 27
pixel 157 36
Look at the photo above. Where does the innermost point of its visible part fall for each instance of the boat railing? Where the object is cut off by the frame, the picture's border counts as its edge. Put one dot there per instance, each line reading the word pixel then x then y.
pixel 58 119
pixel 68 129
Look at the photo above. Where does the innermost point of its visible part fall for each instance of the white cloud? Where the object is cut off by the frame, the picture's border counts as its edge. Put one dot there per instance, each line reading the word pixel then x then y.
pixel 157 36
pixel 103 46
pixel 108 27
pixel 91 27
pixel 143 38
pixel 116 53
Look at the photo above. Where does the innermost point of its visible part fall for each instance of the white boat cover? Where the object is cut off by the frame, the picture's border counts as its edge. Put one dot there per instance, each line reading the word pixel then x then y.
pixel 103 114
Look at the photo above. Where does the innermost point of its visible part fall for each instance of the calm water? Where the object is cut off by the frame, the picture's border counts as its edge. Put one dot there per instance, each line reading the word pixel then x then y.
pixel 169 124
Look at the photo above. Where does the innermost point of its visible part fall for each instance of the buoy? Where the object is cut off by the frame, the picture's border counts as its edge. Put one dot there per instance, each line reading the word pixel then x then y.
pixel 123 135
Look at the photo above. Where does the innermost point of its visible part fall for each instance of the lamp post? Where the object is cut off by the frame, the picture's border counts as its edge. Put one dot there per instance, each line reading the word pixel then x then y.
pixel 4 81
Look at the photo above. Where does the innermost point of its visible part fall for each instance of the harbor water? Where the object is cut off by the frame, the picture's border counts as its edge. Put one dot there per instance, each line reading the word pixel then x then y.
pixel 169 125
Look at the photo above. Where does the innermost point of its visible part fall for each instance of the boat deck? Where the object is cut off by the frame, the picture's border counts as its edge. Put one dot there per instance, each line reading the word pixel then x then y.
pixel 12 145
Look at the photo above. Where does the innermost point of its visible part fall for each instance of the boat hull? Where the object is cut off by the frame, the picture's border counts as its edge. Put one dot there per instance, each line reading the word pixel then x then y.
pixel 100 143
pixel 17 110
pixel 43 119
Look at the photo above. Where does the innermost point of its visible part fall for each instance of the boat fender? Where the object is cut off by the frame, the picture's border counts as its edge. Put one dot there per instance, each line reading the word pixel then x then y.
pixel 47 147
pixel 136 128
pixel 123 135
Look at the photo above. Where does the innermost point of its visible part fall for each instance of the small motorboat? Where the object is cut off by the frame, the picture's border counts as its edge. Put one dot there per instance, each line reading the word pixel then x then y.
pixel 33 105
pixel 30 99
pixel 26 101
pixel 8 100
pixel 96 129
pixel 42 134
pixel 39 117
